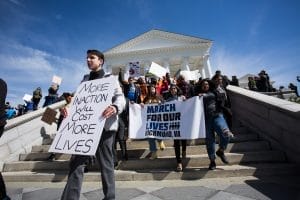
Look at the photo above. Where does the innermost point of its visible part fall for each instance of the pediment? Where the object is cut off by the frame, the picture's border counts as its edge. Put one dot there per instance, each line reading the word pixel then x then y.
pixel 156 39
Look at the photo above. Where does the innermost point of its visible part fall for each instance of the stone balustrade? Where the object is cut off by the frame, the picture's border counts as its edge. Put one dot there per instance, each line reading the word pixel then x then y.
pixel 276 120
pixel 22 132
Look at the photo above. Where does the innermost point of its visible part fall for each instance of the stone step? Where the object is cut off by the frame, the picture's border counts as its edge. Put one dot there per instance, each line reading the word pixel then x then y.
pixel 160 163
pixel 141 144
pixel 258 170
pixel 142 153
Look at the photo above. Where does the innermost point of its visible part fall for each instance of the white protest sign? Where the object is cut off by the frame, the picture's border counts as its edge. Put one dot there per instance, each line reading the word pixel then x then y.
pixel 134 69
pixel 157 70
pixel 56 79
pixel 170 120
pixel 27 97
pixel 81 130
pixel 195 74
pixel 187 75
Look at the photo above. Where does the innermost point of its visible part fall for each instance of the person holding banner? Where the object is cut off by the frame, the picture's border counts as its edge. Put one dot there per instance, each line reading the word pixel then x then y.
pixel 174 96
pixel 214 122
pixel 153 98
pixel 104 153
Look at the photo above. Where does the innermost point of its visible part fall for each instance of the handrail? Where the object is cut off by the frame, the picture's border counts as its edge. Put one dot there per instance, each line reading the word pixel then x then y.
pixel 12 123
pixel 270 100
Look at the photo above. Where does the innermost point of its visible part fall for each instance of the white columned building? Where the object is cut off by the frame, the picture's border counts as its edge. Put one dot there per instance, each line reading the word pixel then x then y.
pixel 170 50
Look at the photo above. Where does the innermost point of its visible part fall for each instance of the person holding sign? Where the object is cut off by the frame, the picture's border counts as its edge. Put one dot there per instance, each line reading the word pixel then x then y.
pixel 174 96
pixel 153 98
pixel 104 153
pixel 214 122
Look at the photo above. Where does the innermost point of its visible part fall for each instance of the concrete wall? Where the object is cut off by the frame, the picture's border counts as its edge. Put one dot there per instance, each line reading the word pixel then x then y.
pixel 21 133
pixel 272 118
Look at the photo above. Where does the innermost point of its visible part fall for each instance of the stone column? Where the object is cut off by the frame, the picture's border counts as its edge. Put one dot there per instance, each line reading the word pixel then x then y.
pixel 206 64
pixel 203 75
pixel 166 64
pixel 107 68
pixel 147 65
pixel 185 64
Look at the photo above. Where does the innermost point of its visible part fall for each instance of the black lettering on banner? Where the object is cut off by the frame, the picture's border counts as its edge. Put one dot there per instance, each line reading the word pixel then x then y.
pixel 163 121
pixel 177 134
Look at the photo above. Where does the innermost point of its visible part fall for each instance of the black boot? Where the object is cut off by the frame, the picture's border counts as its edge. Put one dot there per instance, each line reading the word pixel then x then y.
pixel 212 165
pixel 221 154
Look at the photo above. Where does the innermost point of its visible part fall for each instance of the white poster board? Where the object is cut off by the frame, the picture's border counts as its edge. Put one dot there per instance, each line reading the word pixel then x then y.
pixel 27 97
pixel 170 120
pixel 157 70
pixel 81 130
pixel 134 69
pixel 56 79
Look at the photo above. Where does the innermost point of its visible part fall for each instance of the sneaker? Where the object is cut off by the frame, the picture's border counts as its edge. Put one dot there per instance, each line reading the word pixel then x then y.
pixel 161 145
pixel 212 165
pixel 153 155
pixel 179 167
pixel 116 165
pixel 222 156
pixel 184 154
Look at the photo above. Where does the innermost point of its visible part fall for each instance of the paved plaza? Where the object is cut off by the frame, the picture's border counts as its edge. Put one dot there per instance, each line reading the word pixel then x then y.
pixel 245 188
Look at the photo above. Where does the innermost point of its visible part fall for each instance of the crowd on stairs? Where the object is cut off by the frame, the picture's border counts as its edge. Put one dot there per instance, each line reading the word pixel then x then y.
pixel 143 91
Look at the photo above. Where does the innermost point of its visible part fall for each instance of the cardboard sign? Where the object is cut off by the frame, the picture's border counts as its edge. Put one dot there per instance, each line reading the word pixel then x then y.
pixel 49 116
pixel 81 130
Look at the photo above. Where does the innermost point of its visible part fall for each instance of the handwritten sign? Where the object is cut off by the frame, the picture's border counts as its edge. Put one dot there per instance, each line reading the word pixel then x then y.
pixel 81 131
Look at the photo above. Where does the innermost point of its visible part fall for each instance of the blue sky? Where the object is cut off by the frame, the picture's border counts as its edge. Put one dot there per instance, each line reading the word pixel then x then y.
pixel 42 38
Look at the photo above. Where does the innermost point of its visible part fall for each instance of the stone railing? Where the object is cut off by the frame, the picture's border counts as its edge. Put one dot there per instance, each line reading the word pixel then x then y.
pixel 22 132
pixel 274 119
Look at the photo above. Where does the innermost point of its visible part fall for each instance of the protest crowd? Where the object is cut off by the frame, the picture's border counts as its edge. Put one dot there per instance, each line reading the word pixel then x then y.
pixel 145 91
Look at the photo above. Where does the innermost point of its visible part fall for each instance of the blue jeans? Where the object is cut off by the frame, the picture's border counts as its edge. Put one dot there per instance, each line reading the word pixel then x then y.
pixel 218 125
pixel 152 144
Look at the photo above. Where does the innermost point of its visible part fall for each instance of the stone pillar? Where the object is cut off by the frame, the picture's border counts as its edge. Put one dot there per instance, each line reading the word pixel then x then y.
pixel 185 64
pixel 203 75
pixel 206 65
pixel 166 64
pixel 147 65
pixel 107 68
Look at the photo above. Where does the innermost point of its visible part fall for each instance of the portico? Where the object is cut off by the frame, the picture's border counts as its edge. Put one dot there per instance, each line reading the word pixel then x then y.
pixel 170 50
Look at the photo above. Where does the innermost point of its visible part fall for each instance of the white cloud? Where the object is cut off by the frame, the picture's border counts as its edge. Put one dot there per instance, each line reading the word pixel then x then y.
pixel 25 68
pixel 281 68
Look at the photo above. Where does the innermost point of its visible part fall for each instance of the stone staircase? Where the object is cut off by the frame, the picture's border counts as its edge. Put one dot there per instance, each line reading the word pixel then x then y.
pixel 247 153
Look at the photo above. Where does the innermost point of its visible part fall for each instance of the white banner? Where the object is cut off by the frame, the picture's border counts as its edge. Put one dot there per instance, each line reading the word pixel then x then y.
pixel 170 120
pixel 81 130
